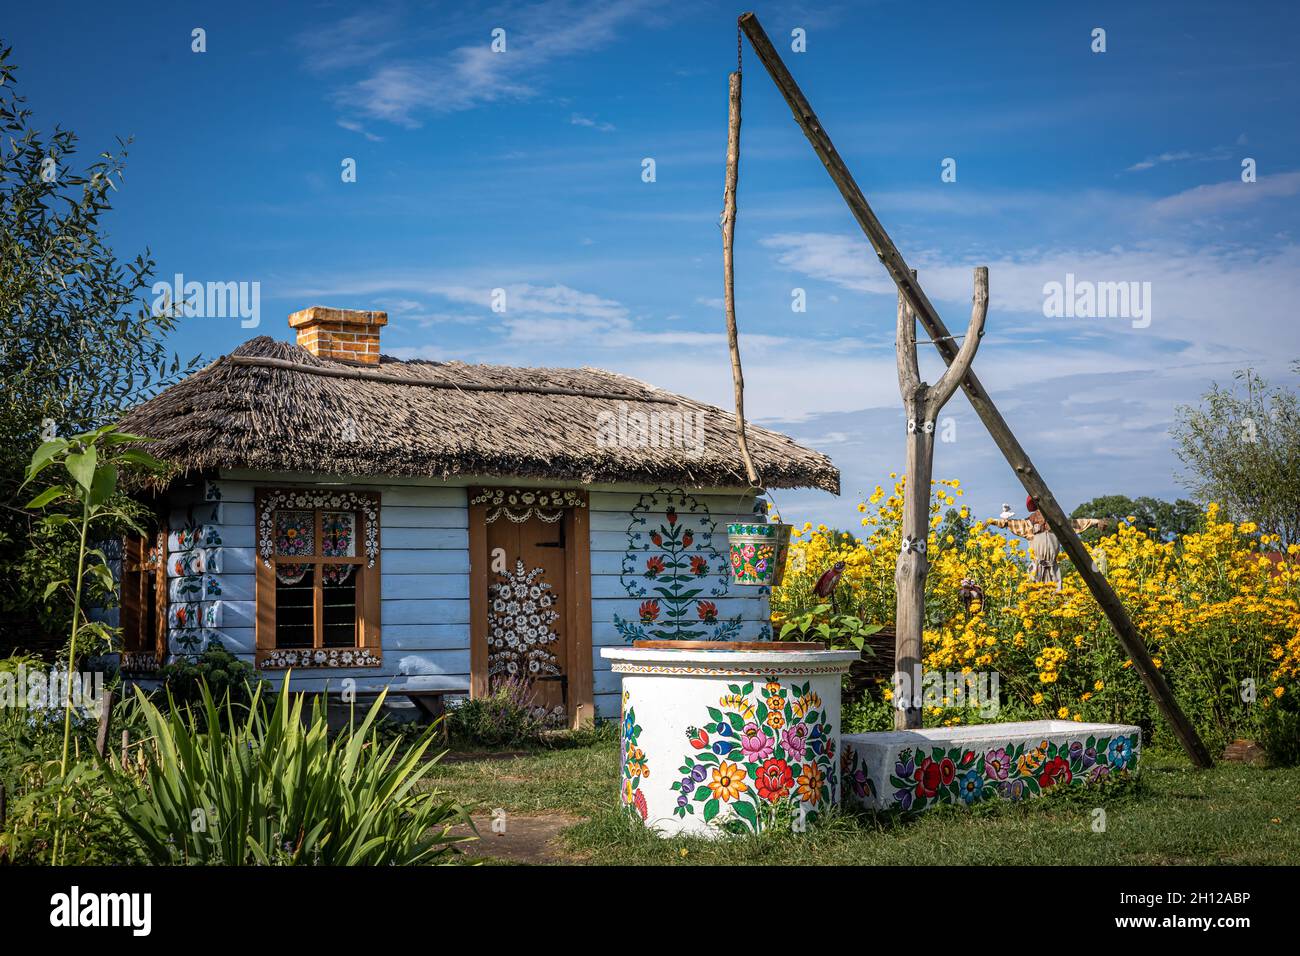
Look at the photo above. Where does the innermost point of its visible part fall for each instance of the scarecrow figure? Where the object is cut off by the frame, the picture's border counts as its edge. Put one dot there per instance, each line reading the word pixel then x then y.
pixel 1044 546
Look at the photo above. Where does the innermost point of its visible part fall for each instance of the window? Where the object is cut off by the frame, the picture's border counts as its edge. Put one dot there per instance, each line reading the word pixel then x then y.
pixel 144 603
pixel 318 579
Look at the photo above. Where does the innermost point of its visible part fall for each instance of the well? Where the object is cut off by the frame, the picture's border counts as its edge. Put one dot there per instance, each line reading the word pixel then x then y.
pixel 729 736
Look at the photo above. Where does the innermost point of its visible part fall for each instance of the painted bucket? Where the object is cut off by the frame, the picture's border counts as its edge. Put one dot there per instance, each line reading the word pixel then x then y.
pixel 758 552
pixel 721 737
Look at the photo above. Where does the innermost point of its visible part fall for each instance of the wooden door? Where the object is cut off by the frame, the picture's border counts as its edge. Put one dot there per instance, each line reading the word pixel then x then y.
pixel 527 626
pixel 530 604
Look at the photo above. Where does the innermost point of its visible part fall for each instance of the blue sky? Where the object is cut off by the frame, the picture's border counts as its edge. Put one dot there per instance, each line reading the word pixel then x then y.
pixel 522 170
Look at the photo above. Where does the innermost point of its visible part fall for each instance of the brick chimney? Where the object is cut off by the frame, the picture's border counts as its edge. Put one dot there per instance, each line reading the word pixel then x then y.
pixel 349 335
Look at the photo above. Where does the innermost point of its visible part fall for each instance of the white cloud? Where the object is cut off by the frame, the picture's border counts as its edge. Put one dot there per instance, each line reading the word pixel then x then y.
pixel 577 119
pixel 472 75
pixel 529 300
pixel 1180 156
pixel 355 127
pixel 1226 197
pixel 1224 295
pixel 352 41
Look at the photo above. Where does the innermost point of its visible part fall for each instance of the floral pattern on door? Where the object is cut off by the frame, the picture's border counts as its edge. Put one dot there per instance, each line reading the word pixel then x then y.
pixel 521 634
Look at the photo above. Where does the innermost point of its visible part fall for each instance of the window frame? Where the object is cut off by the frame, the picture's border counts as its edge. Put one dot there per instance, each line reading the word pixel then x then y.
pixel 143 570
pixel 367 651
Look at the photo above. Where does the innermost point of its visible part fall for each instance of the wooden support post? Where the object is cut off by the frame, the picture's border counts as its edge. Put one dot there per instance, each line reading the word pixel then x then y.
pixel 922 404
pixel 105 718
pixel 1132 642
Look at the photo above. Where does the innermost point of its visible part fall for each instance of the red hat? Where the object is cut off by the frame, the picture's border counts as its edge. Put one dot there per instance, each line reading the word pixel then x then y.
pixel 1031 503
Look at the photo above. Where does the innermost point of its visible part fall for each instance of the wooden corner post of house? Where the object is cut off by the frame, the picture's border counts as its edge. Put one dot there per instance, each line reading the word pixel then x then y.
pixel 910 289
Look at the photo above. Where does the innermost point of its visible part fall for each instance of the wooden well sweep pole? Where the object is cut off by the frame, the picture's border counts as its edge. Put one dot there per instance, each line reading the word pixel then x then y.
pixel 910 288
pixel 728 268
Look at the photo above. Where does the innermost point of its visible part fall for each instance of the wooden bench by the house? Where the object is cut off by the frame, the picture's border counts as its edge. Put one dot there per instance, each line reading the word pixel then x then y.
pixel 428 693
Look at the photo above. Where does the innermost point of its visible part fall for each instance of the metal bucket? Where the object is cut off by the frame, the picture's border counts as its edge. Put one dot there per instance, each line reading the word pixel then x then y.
pixel 758 552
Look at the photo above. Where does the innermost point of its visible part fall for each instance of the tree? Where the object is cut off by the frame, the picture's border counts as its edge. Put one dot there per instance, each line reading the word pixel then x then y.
pixel 1159 519
pixel 956 525
pixel 1241 448
pixel 80 343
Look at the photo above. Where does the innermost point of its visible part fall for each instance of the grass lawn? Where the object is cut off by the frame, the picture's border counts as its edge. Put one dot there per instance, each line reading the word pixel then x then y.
pixel 566 800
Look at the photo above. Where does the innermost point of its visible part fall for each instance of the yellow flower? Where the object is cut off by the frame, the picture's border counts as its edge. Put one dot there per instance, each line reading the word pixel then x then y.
pixel 775 719
pixel 728 782
pixel 1063 713
pixel 1100 685
pixel 1030 761
pixel 636 766
pixel 1278 691
pixel 1037 699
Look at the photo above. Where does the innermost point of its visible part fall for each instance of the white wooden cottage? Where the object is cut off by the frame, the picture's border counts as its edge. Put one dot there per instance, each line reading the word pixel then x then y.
pixel 345 514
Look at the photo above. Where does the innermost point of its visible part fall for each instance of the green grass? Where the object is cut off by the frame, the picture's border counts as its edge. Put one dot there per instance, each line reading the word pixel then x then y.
pixel 1172 814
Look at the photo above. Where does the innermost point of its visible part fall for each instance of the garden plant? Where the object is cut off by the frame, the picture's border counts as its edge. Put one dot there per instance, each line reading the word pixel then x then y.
pixel 1222 619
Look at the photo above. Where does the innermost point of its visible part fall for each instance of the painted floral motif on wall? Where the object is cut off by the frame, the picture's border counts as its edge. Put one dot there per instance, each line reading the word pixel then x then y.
pixel 760 752
pixel 672 566
pixel 194 587
pixel 854 779
pixel 923 778
pixel 520 626
pixel 633 761
pixel 194 535
pixel 283 659
pixel 520 504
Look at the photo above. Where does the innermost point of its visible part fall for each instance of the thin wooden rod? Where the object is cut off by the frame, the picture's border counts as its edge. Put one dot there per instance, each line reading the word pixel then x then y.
pixel 729 272
pixel 1132 642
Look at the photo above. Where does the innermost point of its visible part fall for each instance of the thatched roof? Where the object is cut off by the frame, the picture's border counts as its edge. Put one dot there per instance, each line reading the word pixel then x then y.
pixel 271 406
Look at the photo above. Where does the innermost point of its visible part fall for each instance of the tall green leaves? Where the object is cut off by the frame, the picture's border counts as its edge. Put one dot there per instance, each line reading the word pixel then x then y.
pixel 273 788
pixel 90 463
